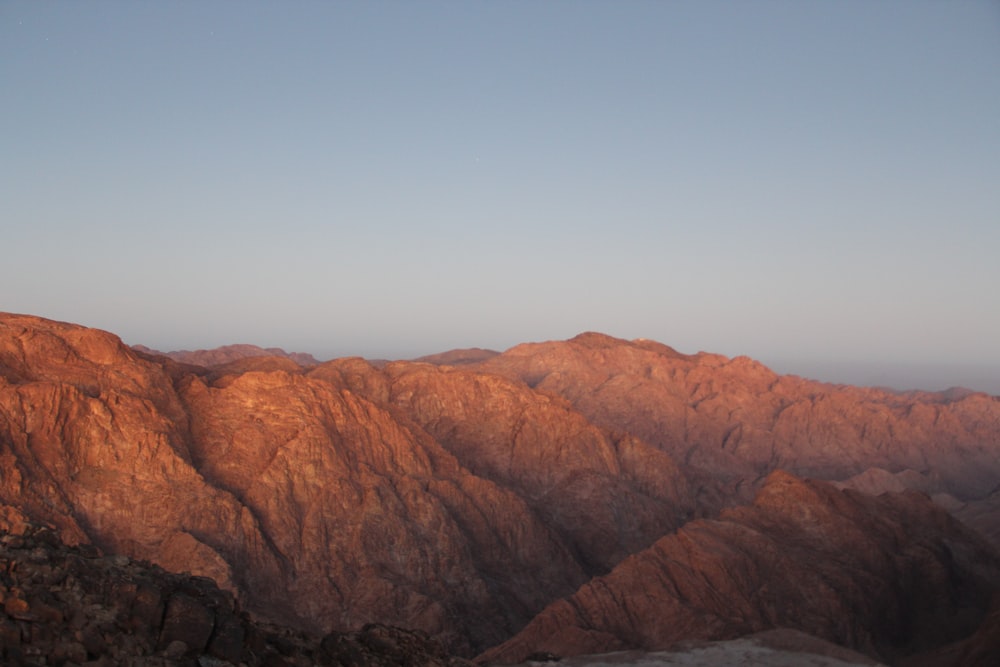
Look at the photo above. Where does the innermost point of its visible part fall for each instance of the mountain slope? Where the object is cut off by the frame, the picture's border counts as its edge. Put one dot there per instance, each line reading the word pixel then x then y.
pixel 737 419
pixel 459 500
pixel 606 496
pixel 315 504
pixel 888 576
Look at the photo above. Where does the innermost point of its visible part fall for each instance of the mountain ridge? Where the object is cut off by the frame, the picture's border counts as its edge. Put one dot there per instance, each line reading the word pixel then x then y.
pixel 225 354
pixel 461 499
pixel 748 579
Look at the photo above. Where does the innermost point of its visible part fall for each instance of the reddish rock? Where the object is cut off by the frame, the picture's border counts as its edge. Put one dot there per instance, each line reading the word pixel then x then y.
pixel 736 418
pixel 374 518
pixel 316 505
pixel 17 607
pixel 888 576
pixel 606 496
pixel 458 500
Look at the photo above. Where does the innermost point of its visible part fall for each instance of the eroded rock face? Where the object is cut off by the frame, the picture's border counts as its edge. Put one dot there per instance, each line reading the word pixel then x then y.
pixel 888 576
pixel 607 496
pixel 374 518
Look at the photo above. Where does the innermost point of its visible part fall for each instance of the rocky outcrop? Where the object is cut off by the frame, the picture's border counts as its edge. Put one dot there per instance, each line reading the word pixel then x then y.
pixel 62 605
pixel 887 576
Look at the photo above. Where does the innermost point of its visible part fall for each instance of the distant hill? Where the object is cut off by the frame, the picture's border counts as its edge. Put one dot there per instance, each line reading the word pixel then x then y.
pixel 458 357
pixel 229 353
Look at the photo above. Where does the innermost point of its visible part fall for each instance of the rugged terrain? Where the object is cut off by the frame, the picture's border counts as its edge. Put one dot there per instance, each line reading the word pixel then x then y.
pixel 890 576
pixel 464 494
pixel 737 418
pixel 319 505
pixel 73 606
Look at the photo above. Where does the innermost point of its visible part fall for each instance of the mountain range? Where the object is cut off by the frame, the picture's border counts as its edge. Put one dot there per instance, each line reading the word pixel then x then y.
pixel 567 497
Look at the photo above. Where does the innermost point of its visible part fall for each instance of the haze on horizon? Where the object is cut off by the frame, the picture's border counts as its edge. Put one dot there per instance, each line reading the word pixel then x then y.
pixel 813 185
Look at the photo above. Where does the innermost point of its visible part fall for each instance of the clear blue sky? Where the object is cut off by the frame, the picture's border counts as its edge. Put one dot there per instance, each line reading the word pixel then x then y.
pixel 813 184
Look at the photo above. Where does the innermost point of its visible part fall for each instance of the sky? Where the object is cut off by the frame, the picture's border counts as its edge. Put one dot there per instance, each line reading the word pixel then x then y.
pixel 812 184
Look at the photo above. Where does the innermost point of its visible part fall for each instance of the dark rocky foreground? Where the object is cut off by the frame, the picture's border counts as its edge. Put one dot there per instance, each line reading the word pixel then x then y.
pixel 74 607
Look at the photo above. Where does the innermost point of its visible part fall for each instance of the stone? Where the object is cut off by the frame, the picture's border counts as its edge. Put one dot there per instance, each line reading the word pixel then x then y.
pixel 227 641
pixel 176 649
pixel 187 621
pixel 18 608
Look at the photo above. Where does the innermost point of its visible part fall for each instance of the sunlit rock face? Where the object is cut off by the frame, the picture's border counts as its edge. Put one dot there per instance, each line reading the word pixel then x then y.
pixel 464 494
pixel 739 420
pixel 317 499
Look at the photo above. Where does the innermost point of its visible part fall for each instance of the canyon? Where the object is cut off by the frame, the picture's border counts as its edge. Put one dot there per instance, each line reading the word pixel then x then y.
pixel 568 497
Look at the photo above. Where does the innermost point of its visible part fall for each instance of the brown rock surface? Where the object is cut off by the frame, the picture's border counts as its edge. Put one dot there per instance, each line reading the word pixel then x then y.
pixel 373 517
pixel 457 499
pixel 734 417
pixel 888 576
pixel 315 504
pixel 606 496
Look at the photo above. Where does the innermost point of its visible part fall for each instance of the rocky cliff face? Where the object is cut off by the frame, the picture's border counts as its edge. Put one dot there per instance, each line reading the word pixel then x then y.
pixel 459 497
pixel 889 576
